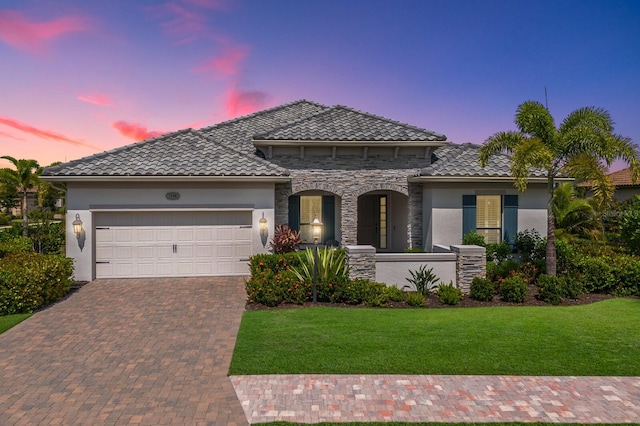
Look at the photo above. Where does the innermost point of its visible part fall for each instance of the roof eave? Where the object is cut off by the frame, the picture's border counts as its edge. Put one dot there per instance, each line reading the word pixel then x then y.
pixel 533 179
pixel 76 178
pixel 347 143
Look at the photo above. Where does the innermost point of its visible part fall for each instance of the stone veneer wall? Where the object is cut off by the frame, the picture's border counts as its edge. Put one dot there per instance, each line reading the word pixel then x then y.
pixel 349 177
pixel 362 262
pixel 471 262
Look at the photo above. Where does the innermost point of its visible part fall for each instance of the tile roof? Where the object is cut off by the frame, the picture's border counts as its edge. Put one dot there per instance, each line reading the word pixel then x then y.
pixel 622 178
pixel 341 123
pixel 461 160
pixel 238 133
pixel 182 153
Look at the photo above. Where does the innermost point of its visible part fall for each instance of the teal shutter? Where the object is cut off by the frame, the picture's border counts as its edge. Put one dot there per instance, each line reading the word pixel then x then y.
pixel 468 213
pixel 510 219
pixel 328 218
pixel 294 212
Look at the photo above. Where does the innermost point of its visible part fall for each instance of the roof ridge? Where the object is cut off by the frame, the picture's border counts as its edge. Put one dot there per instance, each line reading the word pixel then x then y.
pixel 126 147
pixel 261 112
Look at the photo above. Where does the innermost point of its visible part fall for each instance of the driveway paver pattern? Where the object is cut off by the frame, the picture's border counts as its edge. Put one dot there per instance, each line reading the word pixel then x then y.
pixel 361 398
pixel 138 351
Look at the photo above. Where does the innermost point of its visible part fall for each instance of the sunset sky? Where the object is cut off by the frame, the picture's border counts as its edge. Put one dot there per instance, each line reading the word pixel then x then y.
pixel 79 77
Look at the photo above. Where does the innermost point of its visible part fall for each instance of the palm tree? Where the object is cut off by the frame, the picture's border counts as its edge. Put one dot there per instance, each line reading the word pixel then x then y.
pixel 575 216
pixel 23 178
pixel 584 146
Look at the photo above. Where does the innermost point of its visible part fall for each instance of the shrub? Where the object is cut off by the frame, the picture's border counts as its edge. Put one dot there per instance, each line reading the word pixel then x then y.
pixel 415 299
pixel 482 289
pixel 263 288
pixel 449 294
pixel 572 288
pixel 15 245
pixel 394 294
pixel 630 230
pixel 551 288
pixel 4 219
pixel 375 294
pixel 498 252
pixel 423 280
pixel 272 262
pixel 530 245
pixel 348 291
pixel 48 238
pixel 473 238
pixel 500 271
pixel 513 289
pixel 284 240
pixel 29 281
pixel 331 265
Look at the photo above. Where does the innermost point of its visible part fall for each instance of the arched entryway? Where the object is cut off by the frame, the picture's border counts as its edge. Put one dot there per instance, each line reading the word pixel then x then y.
pixel 382 220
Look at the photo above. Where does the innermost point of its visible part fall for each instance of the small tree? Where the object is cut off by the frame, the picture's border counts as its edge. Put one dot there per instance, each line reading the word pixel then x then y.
pixel 23 178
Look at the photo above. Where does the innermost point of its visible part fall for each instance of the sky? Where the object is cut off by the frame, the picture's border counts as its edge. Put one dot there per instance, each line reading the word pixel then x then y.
pixel 80 77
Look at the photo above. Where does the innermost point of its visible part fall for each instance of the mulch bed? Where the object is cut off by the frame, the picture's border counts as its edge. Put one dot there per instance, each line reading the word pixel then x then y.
pixel 466 302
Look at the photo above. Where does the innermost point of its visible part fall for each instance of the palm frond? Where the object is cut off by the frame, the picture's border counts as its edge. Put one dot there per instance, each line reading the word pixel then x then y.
pixel 534 119
pixel 587 168
pixel 497 143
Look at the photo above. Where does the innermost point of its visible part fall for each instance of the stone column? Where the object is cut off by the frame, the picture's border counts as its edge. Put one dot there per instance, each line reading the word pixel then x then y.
pixel 471 262
pixel 282 192
pixel 349 220
pixel 414 216
pixel 362 262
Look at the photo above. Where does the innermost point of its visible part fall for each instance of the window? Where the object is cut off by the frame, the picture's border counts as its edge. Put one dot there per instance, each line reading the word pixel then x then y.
pixel 383 222
pixel 310 208
pixel 304 208
pixel 493 216
pixel 489 217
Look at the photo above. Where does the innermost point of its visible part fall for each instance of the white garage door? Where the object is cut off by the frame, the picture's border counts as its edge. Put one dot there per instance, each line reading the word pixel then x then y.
pixel 172 244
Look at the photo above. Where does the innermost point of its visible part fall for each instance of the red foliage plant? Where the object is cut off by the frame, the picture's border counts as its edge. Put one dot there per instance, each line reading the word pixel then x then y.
pixel 285 240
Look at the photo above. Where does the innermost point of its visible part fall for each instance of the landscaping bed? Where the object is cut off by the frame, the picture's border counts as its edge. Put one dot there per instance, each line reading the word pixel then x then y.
pixel 434 302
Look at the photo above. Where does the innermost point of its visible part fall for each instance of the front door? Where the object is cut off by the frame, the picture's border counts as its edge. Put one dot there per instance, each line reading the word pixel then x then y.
pixel 372 221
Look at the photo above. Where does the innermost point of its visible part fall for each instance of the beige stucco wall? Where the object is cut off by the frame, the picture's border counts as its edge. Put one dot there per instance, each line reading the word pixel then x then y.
pixel 444 200
pixel 84 198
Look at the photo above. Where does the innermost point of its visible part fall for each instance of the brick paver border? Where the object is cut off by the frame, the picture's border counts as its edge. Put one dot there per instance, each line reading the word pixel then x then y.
pixel 361 398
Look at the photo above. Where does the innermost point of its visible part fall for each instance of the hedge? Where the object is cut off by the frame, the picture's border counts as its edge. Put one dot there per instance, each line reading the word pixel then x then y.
pixel 29 281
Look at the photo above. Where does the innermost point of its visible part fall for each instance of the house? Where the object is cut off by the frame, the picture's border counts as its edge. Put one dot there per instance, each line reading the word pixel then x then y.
pixel 625 188
pixel 200 202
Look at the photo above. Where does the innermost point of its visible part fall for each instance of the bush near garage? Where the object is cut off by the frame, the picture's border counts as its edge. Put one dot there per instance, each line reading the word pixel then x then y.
pixel 29 281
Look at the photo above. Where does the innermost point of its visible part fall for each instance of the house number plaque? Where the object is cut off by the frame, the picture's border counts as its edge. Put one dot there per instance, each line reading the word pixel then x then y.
pixel 173 196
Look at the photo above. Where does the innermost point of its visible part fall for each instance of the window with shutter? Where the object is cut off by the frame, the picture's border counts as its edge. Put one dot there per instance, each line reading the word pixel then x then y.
pixel 489 217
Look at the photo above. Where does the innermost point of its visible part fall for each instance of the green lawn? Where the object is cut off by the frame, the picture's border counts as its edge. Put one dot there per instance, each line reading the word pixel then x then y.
pixel 597 339
pixel 429 424
pixel 8 321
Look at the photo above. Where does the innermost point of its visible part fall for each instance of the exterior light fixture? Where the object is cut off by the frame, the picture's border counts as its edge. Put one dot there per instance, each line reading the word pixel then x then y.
pixel 264 232
pixel 316 227
pixel 77 226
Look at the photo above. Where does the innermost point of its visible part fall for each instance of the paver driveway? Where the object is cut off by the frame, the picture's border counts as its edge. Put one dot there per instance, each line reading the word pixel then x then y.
pixel 138 351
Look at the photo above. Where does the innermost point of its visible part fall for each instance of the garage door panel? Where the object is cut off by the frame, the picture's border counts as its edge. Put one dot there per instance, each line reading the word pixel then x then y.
pixel 138 247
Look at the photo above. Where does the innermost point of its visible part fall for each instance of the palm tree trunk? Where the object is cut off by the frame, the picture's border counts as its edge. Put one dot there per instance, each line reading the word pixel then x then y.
pixel 25 218
pixel 551 230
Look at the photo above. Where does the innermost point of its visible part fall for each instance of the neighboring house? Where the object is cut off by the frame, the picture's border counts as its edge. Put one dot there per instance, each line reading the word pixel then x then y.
pixel 32 202
pixel 625 188
pixel 191 202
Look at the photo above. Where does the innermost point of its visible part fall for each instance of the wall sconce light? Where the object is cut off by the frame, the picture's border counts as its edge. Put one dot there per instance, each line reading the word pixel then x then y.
pixel 264 231
pixel 77 226
pixel 79 231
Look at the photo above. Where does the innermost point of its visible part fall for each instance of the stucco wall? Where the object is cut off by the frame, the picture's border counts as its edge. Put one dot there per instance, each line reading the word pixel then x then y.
pixel 393 268
pixel 445 199
pixel 82 198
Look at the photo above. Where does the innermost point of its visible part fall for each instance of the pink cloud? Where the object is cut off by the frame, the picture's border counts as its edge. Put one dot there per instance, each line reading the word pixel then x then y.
pixel 96 99
pixel 241 102
pixel 10 136
pixel 227 63
pixel 135 131
pixel 18 31
pixel 41 133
